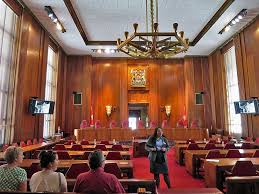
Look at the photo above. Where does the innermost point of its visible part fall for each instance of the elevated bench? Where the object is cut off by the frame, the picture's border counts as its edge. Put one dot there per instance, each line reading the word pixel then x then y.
pixel 241 185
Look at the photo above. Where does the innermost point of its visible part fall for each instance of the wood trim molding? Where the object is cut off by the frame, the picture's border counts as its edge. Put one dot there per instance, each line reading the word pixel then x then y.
pixel 212 21
pixel 76 20
pixel 16 7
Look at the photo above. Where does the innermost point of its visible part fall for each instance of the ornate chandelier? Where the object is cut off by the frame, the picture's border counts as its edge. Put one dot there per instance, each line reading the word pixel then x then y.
pixel 153 44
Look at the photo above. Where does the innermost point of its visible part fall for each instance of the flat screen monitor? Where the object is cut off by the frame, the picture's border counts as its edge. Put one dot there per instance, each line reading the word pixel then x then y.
pixel 41 106
pixel 246 107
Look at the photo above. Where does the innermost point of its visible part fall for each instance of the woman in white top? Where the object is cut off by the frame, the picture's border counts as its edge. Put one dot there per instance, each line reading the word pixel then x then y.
pixel 47 179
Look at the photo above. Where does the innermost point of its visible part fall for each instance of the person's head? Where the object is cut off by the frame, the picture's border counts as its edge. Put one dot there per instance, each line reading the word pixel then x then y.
pixel 13 155
pixel 158 132
pixel 48 160
pixel 96 159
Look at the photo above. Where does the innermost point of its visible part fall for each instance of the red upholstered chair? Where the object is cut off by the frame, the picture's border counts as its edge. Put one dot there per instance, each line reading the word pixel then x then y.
pixel 59 147
pixel 35 155
pixel 195 124
pixel 153 124
pixel 105 142
pixel 35 167
pixel 125 124
pixel 22 144
pixel 210 146
pixel 114 156
pixel 233 154
pixel 180 124
pixel 41 140
pixel 83 124
pixel 140 124
pixel 117 147
pixel 35 141
pixel 113 168
pixel 84 142
pixel 69 142
pixel 257 140
pixel 77 147
pixel 63 155
pixel 5 147
pixel 246 146
pixel 112 124
pixel 29 142
pixel 193 146
pixel 76 169
pixel 164 124
pixel 97 124
pixel 243 168
pixel 248 138
pixel 229 146
pixel 15 144
pixel 190 141
pixel 85 156
pixel 212 141
pixel 100 147
pixel 256 154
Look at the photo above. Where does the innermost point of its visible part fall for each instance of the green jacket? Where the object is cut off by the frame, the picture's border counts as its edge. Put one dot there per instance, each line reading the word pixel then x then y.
pixel 152 154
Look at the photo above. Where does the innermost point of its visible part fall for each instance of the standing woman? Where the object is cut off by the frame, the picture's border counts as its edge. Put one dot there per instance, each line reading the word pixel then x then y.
pixel 157 146
pixel 12 177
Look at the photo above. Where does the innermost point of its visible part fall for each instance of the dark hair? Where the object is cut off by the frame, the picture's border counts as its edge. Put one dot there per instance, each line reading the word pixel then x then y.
pixel 46 157
pixel 154 136
pixel 95 159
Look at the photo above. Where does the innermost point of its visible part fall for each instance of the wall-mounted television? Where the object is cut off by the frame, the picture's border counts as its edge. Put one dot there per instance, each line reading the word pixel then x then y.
pixel 41 106
pixel 247 107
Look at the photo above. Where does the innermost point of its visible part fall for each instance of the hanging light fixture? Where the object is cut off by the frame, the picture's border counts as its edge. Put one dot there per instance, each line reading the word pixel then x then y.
pixel 152 43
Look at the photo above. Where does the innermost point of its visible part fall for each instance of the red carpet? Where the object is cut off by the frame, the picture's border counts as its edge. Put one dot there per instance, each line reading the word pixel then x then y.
pixel 178 175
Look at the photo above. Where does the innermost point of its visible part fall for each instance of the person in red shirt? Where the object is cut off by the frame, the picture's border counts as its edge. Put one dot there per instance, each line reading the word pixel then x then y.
pixel 96 180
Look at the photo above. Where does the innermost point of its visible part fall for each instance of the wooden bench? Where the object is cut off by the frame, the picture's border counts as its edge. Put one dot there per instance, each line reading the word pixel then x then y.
pixel 244 184
pixel 190 191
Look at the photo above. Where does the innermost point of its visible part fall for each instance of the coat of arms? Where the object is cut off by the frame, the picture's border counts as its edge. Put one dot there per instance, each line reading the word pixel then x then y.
pixel 138 78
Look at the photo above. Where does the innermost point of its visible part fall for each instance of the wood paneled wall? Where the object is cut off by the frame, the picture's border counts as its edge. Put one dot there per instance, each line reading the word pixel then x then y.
pixel 247 56
pixel 104 81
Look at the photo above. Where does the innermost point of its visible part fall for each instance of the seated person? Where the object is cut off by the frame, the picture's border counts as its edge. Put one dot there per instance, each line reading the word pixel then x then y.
pixel 47 179
pixel 12 177
pixel 96 180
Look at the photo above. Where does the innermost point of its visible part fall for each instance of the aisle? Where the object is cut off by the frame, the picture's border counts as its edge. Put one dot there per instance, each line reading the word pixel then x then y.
pixel 178 176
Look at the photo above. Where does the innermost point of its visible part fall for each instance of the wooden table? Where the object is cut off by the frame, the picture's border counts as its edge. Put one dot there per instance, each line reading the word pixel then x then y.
pixel 125 165
pixel 190 191
pixel 92 147
pixel 214 169
pixel 75 154
pixel 192 158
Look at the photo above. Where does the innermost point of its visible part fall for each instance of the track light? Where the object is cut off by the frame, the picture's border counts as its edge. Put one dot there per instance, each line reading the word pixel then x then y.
pixel 55 19
pixel 235 20
pixel 106 51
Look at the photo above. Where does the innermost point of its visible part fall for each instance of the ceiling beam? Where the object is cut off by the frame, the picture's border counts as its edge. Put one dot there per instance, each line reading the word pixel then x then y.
pixel 76 20
pixel 212 21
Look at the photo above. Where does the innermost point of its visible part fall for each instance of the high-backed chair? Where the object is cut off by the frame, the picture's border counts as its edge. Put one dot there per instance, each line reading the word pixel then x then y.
pixel 35 154
pixel 35 167
pixel 257 140
pixel 76 169
pixel 195 124
pixel 125 124
pixel 83 124
pixel 35 141
pixel 15 144
pixel 153 124
pixel 113 169
pixel 69 142
pixel 97 124
pixel 101 147
pixel 77 147
pixel 246 146
pixel 233 154
pixel 41 140
pixel 85 156
pixel 212 141
pixel 84 142
pixel 22 144
pixel 140 124
pixel 243 168
pixel 117 147
pixel 114 156
pixel 188 141
pixel 180 124
pixel 256 154
pixel 29 142
pixel 59 147
pixel 63 155
pixel 164 124
pixel 229 146
pixel 210 146
pixel 112 124
pixel 193 146
pixel 105 142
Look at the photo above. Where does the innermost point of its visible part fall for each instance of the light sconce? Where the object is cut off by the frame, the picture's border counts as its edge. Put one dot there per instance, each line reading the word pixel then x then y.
pixel 167 109
pixel 55 19
pixel 234 21
pixel 108 110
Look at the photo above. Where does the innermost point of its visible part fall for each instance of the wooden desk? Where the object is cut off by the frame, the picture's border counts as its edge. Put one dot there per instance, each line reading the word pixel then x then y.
pixel 76 154
pixel 139 148
pixel 214 169
pixel 192 157
pixel 190 191
pixel 125 165
pixel 242 184
pixel 92 147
